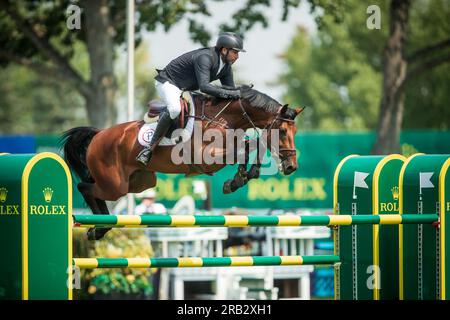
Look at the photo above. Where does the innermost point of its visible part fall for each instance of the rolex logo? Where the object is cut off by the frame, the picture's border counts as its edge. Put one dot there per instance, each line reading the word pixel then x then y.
pixel 3 194
pixel 394 191
pixel 48 194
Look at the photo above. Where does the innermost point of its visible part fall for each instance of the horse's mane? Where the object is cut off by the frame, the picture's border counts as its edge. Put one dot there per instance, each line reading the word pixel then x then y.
pixel 259 100
pixel 256 99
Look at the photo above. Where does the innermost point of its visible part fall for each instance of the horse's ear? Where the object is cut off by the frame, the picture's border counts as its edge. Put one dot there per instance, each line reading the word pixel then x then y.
pixel 284 108
pixel 299 110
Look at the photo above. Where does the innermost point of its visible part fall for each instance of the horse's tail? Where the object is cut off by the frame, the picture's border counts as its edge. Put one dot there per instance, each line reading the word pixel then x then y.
pixel 75 143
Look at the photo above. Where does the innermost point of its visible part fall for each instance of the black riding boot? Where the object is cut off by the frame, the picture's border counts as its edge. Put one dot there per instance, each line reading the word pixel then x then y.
pixel 164 124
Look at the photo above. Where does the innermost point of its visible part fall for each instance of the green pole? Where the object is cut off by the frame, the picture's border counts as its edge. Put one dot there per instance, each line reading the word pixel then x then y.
pixel 249 261
pixel 247 221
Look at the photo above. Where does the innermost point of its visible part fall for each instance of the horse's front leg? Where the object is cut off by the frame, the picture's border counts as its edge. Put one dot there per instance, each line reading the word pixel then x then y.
pixel 255 169
pixel 254 172
pixel 242 177
pixel 239 180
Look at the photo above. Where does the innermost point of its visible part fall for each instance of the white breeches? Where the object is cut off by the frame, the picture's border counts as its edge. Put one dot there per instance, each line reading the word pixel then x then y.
pixel 171 97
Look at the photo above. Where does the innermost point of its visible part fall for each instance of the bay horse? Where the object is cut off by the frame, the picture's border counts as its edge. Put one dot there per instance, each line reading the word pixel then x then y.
pixel 104 160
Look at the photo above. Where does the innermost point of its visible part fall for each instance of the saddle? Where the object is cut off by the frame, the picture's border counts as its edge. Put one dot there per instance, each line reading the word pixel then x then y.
pixel 155 107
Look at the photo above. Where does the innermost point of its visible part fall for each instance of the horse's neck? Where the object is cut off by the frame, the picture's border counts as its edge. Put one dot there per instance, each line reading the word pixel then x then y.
pixel 233 112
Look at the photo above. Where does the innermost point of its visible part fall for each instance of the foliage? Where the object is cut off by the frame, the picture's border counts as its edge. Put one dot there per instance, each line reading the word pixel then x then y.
pixel 35 35
pixel 117 244
pixel 144 89
pixel 34 104
pixel 37 105
pixel 337 72
pixel 408 150
pixel 427 96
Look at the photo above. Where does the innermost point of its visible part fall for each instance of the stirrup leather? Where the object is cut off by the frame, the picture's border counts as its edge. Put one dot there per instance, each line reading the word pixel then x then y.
pixel 144 156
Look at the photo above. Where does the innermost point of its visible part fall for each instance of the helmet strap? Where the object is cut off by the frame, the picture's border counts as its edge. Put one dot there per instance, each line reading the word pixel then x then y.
pixel 226 56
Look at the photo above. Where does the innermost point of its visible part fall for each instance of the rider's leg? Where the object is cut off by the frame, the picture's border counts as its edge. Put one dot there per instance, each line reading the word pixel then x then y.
pixel 171 96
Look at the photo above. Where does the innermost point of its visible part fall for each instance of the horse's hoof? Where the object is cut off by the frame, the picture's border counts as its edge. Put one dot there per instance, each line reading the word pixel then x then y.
pixel 227 186
pixel 97 234
pixel 91 234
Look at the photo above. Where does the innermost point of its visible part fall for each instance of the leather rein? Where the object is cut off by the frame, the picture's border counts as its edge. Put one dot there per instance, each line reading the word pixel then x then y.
pixel 284 153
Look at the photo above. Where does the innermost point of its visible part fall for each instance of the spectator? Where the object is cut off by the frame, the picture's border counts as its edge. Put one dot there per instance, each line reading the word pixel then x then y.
pixel 148 204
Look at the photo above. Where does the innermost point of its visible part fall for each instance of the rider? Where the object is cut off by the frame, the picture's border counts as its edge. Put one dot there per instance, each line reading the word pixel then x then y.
pixel 191 71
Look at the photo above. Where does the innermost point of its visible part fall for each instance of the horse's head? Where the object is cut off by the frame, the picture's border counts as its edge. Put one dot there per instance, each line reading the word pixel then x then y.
pixel 270 114
pixel 285 123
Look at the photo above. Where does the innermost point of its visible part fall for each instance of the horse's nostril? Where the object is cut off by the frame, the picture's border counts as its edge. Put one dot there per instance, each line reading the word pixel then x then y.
pixel 289 169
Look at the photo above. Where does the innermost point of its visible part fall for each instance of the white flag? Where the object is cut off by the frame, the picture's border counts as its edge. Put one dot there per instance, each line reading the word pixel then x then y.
pixel 425 180
pixel 359 182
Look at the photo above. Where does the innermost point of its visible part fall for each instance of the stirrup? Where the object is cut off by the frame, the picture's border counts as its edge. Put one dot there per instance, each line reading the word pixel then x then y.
pixel 144 156
pixel 163 125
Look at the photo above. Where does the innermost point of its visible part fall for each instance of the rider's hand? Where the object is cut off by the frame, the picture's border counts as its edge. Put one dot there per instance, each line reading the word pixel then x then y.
pixel 245 86
pixel 234 94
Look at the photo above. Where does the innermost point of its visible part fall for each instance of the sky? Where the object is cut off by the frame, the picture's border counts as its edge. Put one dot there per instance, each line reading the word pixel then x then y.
pixel 259 65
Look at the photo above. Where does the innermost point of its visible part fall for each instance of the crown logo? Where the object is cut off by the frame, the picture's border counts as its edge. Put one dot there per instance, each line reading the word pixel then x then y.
pixel 48 194
pixel 394 191
pixel 3 194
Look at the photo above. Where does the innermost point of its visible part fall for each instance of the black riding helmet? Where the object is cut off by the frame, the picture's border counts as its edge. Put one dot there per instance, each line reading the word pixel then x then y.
pixel 230 40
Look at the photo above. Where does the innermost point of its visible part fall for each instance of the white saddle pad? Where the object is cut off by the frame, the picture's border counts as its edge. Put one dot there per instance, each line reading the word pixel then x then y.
pixel 148 129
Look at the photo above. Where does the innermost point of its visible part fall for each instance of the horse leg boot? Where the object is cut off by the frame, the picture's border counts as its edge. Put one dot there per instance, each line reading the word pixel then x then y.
pixel 162 127
pixel 254 171
pixel 240 179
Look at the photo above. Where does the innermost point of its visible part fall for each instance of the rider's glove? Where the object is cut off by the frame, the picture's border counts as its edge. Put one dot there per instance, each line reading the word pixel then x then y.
pixel 234 94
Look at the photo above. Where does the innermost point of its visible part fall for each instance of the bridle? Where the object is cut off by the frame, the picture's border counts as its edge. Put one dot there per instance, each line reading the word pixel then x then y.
pixel 283 153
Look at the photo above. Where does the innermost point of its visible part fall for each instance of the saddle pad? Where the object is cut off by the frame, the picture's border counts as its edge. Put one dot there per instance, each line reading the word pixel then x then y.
pixel 148 129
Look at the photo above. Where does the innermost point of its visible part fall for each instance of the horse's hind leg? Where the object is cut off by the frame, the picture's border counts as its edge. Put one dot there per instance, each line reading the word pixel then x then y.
pixel 98 233
pixel 141 180
pixel 96 205
pixel 86 191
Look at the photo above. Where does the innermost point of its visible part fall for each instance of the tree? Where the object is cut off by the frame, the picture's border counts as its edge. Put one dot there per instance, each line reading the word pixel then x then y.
pixel 40 105
pixel 427 96
pixel 335 73
pixel 30 104
pixel 403 61
pixel 339 71
pixel 35 35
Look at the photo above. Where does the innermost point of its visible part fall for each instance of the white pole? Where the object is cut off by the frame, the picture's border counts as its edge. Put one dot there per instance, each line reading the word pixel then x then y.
pixel 130 78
